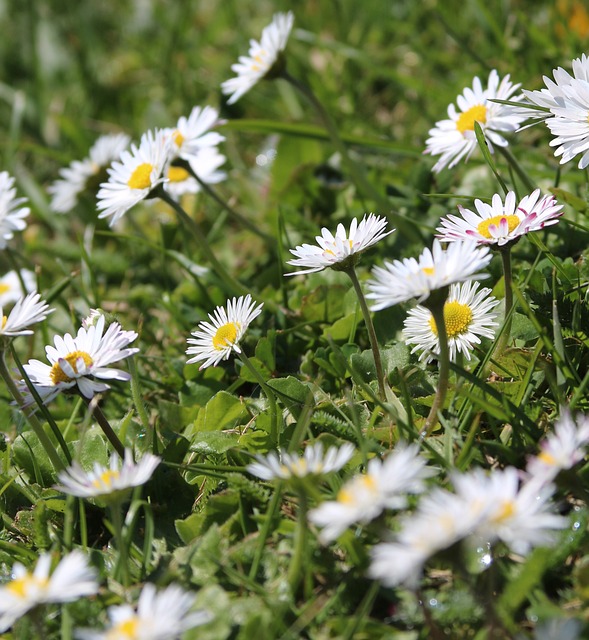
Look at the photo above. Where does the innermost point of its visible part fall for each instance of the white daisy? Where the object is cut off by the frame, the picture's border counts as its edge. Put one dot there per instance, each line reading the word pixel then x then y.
pixel 401 280
pixel 27 311
pixel 71 579
pixel 80 361
pixel 12 213
pixel 499 222
pixel 205 165
pixel 11 285
pixel 561 449
pixel 335 251
pixel 75 178
pixel 454 138
pixel 193 134
pixel 264 57
pixel 159 615
pixel 468 315
pixel 216 340
pixel 112 481
pixel 363 498
pixel 313 462
pixel 133 178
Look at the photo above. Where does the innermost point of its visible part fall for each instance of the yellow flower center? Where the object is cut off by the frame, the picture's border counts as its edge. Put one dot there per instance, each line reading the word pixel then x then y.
pixel 547 458
pixel 177 174
pixel 4 287
pixel 466 120
pixel 457 318
pixel 3 324
pixel 21 586
pixel 505 512
pixel 178 138
pixel 429 271
pixel 106 478
pixel 225 336
pixel 351 495
pixel 57 374
pixel 126 629
pixel 141 177
pixel 483 227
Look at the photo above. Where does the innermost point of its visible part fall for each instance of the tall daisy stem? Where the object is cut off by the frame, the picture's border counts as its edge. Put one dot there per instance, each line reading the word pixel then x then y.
pixel 507 280
pixel 351 272
pixel 122 566
pixel 105 425
pixel 297 562
pixel 138 398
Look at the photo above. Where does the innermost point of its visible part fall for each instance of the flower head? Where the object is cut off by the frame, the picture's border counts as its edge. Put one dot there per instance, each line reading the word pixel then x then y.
pixel 159 615
pixel 401 280
pixel 71 579
pixel 81 361
pixel 193 134
pixel 11 285
pixel 12 213
pixel 454 138
pixel 468 315
pixel 215 340
pixel 112 481
pixel 264 57
pixel 501 222
pixel 205 164
pixel 75 178
pixel 135 176
pixel 313 462
pixel 27 311
pixel 337 251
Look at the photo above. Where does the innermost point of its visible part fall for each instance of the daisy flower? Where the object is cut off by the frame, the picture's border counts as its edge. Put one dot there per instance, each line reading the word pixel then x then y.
pixel 27 311
pixel 193 134
pixel 159 615
pixel 12 213
pixel 11 285
pixel 468 315
pixel 454 138
pixel 133 178
pixel 363 498
pixel 112 481
pixel 75 178
pixel 264 58
pixel 313 462
pixel 401 280
pixel 337 251
pixel 501 222
pixel 71 579
pixel 80 361
pixel 205 165
pixel 216 340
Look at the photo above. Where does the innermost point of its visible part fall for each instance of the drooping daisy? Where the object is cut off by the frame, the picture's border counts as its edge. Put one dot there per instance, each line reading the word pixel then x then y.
pixel 81 361
pixel 468 315
pixel 193 134
pixel 264 59
pixel 313 462
pixel 339 250
pixel 454 138
pixel 159 615
pixel 205 165
pixel 27 311
pixel 112 481
pixel 71 579
pixel 11 285
pixel 363 498
pixel 76 178
pixel 133 178
pixel 12 213
pixel 499 222
pixel 401 280
pixel 216 340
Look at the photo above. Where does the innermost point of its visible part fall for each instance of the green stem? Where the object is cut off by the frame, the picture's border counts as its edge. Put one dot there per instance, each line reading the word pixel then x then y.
pixel 265 532
pixel 274 434
pixel 507 280
pixel 30 417
pixel 105 425
pixel 122 566
pixel 138 399
pixel 516 166
pixel 300 545
pixel 353 167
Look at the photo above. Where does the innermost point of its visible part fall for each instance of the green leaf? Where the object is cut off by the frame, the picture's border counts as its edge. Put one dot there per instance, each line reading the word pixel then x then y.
pixel 223 411
pixel 291 392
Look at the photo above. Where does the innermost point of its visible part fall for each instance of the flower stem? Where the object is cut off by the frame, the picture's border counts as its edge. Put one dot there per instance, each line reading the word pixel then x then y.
pixel 351 271
pixel 300 545
pixel 507 280
pixel 105 425
pixel 138 399
pixel 122 566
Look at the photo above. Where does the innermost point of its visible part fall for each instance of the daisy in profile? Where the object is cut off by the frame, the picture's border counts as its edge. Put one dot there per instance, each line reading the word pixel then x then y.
pixel 501 222
pixel 11 285
pixel 135 176
pixel 81 362
pixel 158 615
pixel 216 340
pixel 205 164
pixel 468 314
pixel 314 462
pixel 402 280
pixel 264 59
pixel 385 485
pixel 454 138
pixel 27 311
pixel 76 178
pixel 12 213
pixel 71 579
pixel 339 250
pixel 112 482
